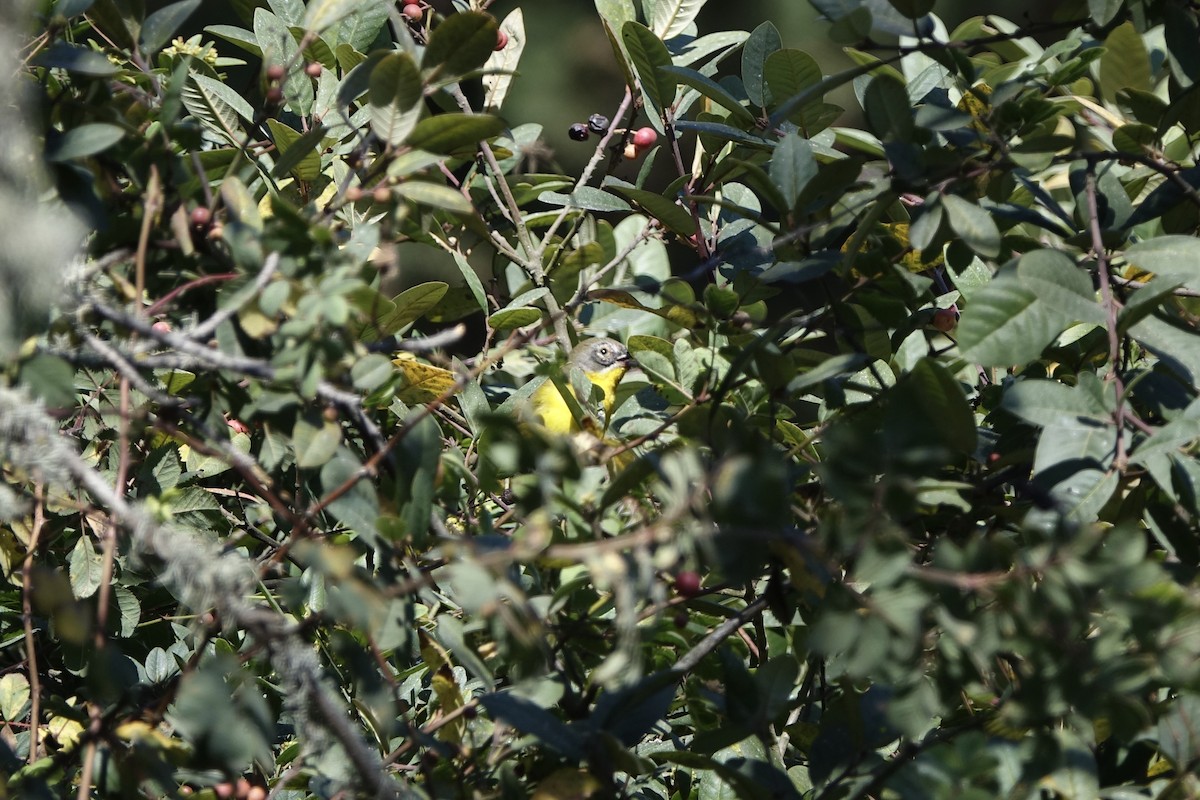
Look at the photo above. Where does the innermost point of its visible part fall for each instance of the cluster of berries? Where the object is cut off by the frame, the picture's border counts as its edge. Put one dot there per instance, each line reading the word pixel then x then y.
pixel 416 12
pixel 638 141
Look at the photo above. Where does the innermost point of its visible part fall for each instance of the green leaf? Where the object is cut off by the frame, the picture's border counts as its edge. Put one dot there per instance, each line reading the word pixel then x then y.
pixel 669 18
pixel 238 36
pixel 461 44
pixel 279 49
pixel 450 133
pixel 976 226
pixel 50 378
pixel 358 507
pixel 789 72
pixel 888 110
pixel 193 498
pixel 527 716
pixel 648 53
pixel 297 153
pixel 1103 11
pixel 1174 342
pixel 418 456
pixel 518 317
pixel 370 372
pixel 1179 731
pixel 86 568
pixel 159 26
pixel 315 441
pixel 1005 324
pixel 764 40
pixel 394 94
pixel 130 611
pixel 665 211
pixel 322 14
pixel 726 132
pixel 502 64
pixel 83 141
pixel 1058 281
pixel 160 666
pixel 930 401
pixel 1174 257
pixel 435 195
pixel 472 281
pixel 290 11
pixel 118 21
pixel 710 89
pixel 362 27
pixel 216 106
pixel 588 198
pixel 411 305
pixel 1125 63
pixel 792 167
pixel 78 60
pixel 713 47
pixel 1181 31
pixel 1050 404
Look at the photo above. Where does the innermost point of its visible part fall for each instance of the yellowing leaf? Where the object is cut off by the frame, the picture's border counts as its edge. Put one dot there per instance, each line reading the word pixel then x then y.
pixel 568 784
pixel 14 694
pixel 66 731
pixel 139 732
pixel 423 383
pixel 911 259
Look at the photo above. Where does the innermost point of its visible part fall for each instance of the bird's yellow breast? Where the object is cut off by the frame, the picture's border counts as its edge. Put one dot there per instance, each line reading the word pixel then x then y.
pixel 555 414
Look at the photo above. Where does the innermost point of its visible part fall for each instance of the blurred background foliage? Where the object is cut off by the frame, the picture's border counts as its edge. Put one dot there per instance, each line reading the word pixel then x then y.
pixel 271 518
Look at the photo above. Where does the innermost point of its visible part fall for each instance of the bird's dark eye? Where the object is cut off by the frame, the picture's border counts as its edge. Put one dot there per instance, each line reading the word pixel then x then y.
pixel 603 351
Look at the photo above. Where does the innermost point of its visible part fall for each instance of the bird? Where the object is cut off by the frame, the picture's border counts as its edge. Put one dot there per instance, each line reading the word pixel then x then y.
pixel 603 361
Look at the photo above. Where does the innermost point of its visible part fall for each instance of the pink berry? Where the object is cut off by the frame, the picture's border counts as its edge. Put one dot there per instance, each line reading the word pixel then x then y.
pixel 645 137
pixel 501 40
pixel 413 12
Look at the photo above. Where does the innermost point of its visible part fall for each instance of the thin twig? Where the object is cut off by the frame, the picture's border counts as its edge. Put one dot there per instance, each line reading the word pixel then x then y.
pixel 206 328
pixel 35 683
pixel 1111 307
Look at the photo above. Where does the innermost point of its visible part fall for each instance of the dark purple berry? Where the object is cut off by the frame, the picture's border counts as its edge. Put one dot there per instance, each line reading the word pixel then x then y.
pixel 578 132
pixel 598 123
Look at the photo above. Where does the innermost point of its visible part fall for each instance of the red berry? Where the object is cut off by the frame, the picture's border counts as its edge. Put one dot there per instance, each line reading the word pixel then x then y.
pixel 501 40
pixel 274 96
pixel 687 583
pixel 162 326
pixel 275 73
pixel 944 319
pixel 201 216
pixel 413 12
pixel 354 194
pixel 313 69
pixel 645 137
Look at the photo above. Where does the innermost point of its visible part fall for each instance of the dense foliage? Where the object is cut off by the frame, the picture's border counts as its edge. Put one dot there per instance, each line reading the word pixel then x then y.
pixel 275 509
